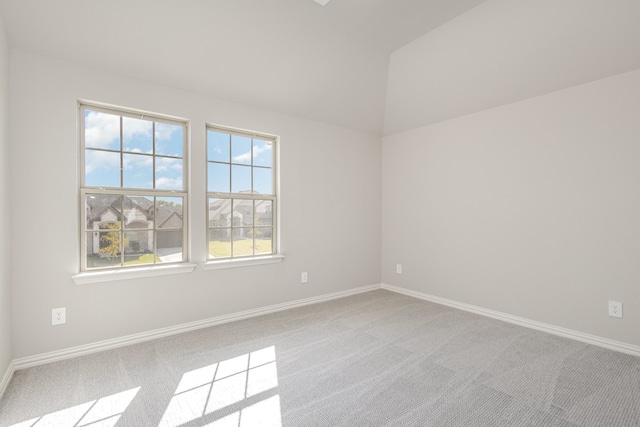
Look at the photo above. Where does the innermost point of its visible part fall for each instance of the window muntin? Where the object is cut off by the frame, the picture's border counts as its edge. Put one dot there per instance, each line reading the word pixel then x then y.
pixel 241 196
pixel 133 191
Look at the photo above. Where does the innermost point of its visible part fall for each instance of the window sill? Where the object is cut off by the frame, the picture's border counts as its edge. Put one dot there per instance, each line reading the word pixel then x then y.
pixel 131 273
pixel 243 262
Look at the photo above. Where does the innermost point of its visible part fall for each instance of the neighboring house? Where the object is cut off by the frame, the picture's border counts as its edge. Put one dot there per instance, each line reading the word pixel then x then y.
pixel 139 220
pixel 242 217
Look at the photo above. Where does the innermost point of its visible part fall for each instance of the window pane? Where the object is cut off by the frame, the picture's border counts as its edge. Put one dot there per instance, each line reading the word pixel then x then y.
pixel 262 153
pixel 220 242
pixel 137 135
pixel 262 181
pixel 218 178
pixel 138 171
pixel 169 139
pixel 218 146
pixel 169 212
pixel 101 168
pixel 101 130
pixel 219 212
pixel 101 210
pixel 124 153
pixel 242 213
pixel 241 149
pixel 240 179
pixel 263 240
pixel 138 247
pixel 169 245
pixel 263 213
pixel 242 242
pixel 168 173
pixel 110 242
pixel 96 259
pixel 138 212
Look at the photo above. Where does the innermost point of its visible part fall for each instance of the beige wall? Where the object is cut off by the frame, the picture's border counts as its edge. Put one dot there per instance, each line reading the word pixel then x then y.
pixel 504 51
pixel 330 189
pixel 510 165
pixel 530 209
pixel 5 286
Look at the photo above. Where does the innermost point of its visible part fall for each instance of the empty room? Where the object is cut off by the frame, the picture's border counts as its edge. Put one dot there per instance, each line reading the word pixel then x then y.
pixel 319 213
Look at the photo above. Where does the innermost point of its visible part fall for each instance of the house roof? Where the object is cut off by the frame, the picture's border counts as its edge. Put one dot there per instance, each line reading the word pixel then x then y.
pixel 165 212
pixel 99 204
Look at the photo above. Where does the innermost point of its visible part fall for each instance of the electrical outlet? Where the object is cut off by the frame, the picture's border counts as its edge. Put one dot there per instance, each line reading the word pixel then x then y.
pixel 399 268
pixel 59 316
pixel 304 278
pixel 615 309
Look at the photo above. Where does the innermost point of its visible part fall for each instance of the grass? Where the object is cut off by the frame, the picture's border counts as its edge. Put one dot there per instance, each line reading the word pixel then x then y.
pixel 143 259
pixel 97 261
pixel 217 248
pixel 221 249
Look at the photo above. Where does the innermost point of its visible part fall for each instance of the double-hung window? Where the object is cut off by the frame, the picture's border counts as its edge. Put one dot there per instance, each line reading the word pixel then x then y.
pixel 133 188
pixel 241 194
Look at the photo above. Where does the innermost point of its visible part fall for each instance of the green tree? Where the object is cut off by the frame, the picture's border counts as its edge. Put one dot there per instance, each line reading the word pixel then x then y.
pixel 110 242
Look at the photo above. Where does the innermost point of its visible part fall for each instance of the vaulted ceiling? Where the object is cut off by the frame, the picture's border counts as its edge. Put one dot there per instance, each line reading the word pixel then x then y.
pixel 343 63
pixel 326 63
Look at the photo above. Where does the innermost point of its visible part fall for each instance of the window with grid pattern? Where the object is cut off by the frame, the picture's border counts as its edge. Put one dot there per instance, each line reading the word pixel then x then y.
pixel 133 188
pixel 241 193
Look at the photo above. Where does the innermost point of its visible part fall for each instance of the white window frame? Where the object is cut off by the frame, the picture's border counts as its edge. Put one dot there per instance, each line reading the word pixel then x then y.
pixel 88 275
pixel 255 259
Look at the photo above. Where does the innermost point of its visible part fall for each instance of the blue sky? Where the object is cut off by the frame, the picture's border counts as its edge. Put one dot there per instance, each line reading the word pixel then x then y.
pixel 229 166
pixel 102 168
pixel 235 173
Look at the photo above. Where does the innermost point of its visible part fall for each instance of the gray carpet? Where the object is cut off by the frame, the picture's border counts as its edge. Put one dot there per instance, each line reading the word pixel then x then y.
pixel 375 359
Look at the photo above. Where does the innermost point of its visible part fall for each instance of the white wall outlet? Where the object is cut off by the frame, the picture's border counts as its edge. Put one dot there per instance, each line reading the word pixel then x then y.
pixel 304 278
pixel 615 309
pixel 59 316
pixel 399 268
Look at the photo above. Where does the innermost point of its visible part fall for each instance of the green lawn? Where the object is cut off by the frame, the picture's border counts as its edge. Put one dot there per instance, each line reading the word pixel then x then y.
pixel 144 259
pixel 97 261
pixel 220 249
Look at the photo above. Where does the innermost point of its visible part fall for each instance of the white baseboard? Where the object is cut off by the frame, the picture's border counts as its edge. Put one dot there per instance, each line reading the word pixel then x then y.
pixel 6 378
pixel 532 324
pixel 54 356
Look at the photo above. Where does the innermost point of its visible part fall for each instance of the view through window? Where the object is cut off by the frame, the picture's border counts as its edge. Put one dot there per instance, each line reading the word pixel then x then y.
pixel 133 188
pixel 241 190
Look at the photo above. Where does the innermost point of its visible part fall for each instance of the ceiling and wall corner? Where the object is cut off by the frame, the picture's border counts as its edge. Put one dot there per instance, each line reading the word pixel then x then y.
pixel 380 66
pixel 322 77
pixel 292 56
pixel 510 163
pixel 505 51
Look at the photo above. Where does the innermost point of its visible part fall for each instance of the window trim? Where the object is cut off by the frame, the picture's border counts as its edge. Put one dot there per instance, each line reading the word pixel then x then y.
pixel 223 263
pixel 244 260
pixel 88 275
pixel 97 276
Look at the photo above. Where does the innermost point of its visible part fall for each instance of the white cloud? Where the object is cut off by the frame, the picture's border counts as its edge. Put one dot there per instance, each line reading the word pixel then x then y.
pixel 137 161
pixel 165 164
pixel 246 157
pixel 96 160
pixel 136 127
pixel 102 130
pixel 243 158
pixel 165 131
pixel 169 183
